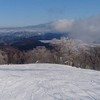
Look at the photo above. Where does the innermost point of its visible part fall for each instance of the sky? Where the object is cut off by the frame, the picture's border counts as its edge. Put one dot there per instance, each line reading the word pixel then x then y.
pixel 33 12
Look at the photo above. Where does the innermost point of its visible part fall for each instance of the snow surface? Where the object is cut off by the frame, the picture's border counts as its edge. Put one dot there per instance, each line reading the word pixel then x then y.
pixel 48 82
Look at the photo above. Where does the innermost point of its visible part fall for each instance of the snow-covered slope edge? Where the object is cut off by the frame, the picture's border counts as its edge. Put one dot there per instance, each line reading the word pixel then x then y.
pixel 48 82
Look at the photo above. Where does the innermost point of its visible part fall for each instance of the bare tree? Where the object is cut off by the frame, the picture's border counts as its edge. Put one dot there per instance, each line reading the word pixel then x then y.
pixel 3 57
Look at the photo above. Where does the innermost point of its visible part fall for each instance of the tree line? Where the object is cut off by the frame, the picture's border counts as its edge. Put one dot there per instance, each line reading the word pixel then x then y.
pixel 65 51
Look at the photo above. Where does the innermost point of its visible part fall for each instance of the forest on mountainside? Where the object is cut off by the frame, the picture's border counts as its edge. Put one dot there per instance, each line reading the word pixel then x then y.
pixel 64 51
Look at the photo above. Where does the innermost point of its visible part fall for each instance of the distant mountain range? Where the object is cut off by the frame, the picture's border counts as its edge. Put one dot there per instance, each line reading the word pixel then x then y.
pixel 28 37
pixel 40 32
pixel 16 36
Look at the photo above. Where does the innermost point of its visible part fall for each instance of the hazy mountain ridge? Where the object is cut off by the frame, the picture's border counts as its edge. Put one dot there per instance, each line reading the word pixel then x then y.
pixel 85 29
pixel 14 35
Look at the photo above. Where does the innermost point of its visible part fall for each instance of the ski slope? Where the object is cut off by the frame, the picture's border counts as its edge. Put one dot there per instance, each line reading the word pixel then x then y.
pixel 48 82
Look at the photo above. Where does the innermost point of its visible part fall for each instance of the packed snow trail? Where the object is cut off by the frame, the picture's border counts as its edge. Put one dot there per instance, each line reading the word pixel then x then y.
pixel 48 82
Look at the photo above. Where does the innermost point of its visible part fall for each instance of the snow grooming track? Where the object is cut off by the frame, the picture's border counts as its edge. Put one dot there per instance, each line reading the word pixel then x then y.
pixel 48 82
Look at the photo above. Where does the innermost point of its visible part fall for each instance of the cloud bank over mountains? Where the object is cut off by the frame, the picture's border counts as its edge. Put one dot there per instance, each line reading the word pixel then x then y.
pixel 84 29
pixel 63 25
pixel 87 29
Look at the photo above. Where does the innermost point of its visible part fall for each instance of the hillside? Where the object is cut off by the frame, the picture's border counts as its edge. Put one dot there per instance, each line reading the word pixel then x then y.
pixel 48 82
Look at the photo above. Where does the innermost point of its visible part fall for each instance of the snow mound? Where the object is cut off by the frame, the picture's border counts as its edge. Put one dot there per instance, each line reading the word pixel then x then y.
pixel 48 82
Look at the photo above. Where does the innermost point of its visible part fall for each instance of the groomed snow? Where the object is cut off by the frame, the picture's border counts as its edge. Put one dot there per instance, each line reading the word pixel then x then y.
pixel 48 82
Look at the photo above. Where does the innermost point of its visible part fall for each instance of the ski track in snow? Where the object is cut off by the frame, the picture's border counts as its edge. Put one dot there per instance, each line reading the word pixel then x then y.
pixel 48 82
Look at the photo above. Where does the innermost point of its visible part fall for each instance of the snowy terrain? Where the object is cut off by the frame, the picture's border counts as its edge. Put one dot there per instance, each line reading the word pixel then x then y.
pixel 48 82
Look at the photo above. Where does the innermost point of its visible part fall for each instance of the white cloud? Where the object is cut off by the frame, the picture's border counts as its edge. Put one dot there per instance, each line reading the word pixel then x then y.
pixel 84 29
pixel 63 25
pixel 87 29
